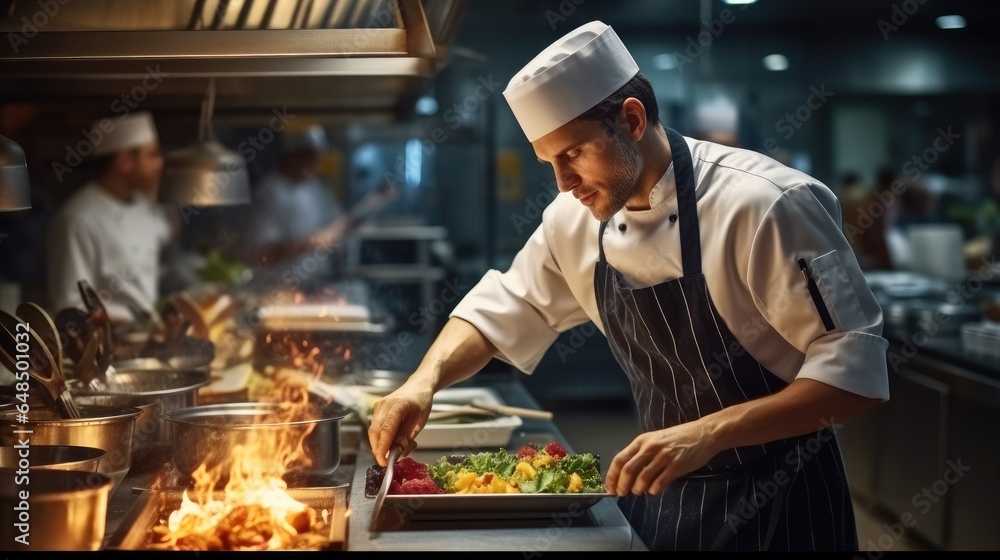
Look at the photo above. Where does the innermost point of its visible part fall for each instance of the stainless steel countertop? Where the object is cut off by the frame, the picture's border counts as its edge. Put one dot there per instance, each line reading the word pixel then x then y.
pixel 602 527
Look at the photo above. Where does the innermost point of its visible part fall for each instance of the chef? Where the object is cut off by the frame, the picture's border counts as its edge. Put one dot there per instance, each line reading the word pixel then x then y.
pixel 299 222
pixel 725 288
pixel 111 231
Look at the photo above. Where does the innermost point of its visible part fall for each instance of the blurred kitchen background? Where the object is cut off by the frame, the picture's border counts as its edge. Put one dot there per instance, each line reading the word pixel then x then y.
pixel 895 105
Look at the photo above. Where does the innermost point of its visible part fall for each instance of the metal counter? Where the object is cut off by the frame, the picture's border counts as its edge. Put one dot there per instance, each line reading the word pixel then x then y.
pixel 602 527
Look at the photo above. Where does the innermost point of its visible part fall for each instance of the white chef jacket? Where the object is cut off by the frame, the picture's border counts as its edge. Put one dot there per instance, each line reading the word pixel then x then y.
pixel 757 218
pixel 288 212
pixel 112 244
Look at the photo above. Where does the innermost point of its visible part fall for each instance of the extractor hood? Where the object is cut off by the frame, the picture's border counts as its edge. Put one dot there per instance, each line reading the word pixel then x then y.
pixel 352 57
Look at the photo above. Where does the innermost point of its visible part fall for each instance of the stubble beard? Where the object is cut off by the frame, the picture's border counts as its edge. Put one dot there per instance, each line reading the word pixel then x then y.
pixel 623 179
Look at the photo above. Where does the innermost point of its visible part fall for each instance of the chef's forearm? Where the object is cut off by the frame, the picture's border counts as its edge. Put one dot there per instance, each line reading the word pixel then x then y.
pixel 802 407
pixel 457 353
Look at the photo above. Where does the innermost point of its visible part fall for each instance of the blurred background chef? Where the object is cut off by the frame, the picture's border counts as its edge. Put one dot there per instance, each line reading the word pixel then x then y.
pixel 298 220
pixel 111 231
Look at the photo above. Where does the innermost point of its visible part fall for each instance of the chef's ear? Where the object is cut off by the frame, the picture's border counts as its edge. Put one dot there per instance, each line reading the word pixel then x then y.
pixel 633 118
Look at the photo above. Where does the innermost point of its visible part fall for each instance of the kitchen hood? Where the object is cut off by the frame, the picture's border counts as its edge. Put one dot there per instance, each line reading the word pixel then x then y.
pixel 355 58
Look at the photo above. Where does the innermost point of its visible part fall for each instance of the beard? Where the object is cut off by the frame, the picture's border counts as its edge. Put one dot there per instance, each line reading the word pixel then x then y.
pixel 622 182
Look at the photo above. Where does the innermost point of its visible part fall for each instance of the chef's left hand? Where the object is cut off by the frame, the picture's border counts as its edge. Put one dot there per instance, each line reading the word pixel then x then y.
pixel 655 459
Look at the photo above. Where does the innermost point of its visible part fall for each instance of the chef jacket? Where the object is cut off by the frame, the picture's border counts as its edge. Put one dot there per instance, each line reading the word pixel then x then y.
pixel 757 219
pixel 112 244
pixel 289 212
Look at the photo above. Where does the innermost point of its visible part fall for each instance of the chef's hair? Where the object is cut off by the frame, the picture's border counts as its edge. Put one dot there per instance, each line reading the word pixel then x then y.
pixel 607 111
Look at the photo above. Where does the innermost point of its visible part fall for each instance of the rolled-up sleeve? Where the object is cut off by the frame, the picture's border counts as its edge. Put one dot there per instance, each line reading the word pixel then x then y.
pixel 804 222
pixel 523 310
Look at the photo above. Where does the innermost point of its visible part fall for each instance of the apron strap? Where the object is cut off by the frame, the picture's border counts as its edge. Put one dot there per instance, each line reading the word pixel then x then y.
pixel 687 204
pixel 600 241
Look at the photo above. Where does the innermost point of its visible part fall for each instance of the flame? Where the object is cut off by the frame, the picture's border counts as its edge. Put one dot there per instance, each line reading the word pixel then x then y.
pixel 255 511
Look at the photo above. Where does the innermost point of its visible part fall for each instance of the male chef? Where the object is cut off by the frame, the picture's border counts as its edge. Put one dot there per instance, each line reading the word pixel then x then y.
pixel 725 288
pixel 111 231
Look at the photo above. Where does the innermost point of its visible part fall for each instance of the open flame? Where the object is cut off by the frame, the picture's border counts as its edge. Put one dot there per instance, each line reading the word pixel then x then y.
pixel 254 511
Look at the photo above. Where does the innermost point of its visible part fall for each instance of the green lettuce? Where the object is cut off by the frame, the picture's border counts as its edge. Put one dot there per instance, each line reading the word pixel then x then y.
pixel 585 465
pixel 438 471
pixel 499 462
pixel 549 480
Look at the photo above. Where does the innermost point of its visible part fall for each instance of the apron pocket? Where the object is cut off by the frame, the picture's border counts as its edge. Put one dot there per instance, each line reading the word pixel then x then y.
pixel 838 292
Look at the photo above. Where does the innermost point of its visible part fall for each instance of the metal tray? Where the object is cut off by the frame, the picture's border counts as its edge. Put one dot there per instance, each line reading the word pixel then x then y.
pixel 491 506
pixel 151 506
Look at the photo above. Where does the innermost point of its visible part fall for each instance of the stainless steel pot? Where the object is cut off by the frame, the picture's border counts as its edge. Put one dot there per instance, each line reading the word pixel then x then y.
pixel 52 457
pixel 168 389
pixel 103 427
pixel 149 429
pixel 208 434
pixel 65 510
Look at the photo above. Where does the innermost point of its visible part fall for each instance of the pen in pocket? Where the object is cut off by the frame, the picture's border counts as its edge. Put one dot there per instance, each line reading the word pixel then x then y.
pixel 817 298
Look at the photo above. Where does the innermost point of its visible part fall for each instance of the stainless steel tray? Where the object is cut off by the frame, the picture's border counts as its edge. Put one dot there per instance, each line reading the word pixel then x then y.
pixel 152 506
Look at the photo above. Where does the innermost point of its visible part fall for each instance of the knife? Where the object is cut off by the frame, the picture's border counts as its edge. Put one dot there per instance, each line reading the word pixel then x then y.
pixel 386 481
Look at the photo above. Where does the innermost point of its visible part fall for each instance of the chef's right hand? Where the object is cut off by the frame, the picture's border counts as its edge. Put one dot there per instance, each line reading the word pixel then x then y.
pixel 398 418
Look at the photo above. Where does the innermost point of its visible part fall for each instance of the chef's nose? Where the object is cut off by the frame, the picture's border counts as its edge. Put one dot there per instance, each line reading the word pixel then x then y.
pixel 566 179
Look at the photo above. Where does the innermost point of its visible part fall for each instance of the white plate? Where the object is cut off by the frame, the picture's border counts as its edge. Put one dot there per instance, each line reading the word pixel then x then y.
pixel 490 432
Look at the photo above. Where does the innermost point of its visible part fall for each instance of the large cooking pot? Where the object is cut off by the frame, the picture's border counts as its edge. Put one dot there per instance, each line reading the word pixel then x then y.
pixel 65 510
pixel 164 388
pixel 104 427
pixel 208 434
pixel 52 457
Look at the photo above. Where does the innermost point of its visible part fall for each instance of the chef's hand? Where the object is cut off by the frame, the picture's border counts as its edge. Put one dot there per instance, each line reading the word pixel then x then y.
pixel 655 459
pixel 398 418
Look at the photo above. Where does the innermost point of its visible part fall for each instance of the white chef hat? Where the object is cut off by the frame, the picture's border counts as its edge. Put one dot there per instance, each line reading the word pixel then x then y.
pixel 569 78
pixel 306 137
pixel 117 135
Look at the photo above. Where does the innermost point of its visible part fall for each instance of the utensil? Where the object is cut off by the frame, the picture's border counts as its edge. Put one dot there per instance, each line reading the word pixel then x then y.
pixel 168 389
pixel 55 457
pixel 189 310
pixel 107 428
pixel 88 370
pixel 41 322
pixel 74 327
pixel 100 318
pixel 68 509
pixel 386 481
pixel 208 433
pixel 42 366
pixel 504 410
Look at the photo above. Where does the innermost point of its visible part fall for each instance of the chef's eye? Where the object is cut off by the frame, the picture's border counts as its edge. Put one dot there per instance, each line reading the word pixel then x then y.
pixel 573 154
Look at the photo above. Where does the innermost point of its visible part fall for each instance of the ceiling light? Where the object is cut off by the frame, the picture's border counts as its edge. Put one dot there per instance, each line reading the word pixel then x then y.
pixel 208 173
pixel 950 22
pixel 738 2
pixel 15 193
pixel 664 61
pixel 776 62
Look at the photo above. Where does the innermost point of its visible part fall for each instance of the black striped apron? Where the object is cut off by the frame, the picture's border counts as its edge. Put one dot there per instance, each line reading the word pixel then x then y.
pixel 683 363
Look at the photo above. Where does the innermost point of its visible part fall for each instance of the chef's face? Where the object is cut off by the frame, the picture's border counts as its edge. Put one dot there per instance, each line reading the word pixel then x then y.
pixel 600 168
pixel 142 167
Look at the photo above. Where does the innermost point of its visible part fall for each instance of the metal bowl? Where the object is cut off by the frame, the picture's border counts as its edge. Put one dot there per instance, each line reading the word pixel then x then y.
pixel 104 427
pixel 208 434
pixel 65 510
pixel 169 389
pixel 149 429
pixel 52 457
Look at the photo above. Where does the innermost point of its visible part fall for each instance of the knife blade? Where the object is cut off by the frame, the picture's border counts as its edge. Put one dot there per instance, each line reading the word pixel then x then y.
pixel 386 481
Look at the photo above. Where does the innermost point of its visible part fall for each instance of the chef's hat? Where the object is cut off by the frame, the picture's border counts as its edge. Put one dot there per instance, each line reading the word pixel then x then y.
pixel 304 137
pixel 117 135
pixel 569 78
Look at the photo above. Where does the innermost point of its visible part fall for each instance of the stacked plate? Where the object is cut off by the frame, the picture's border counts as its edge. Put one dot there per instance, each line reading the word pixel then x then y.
pixel 982 339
